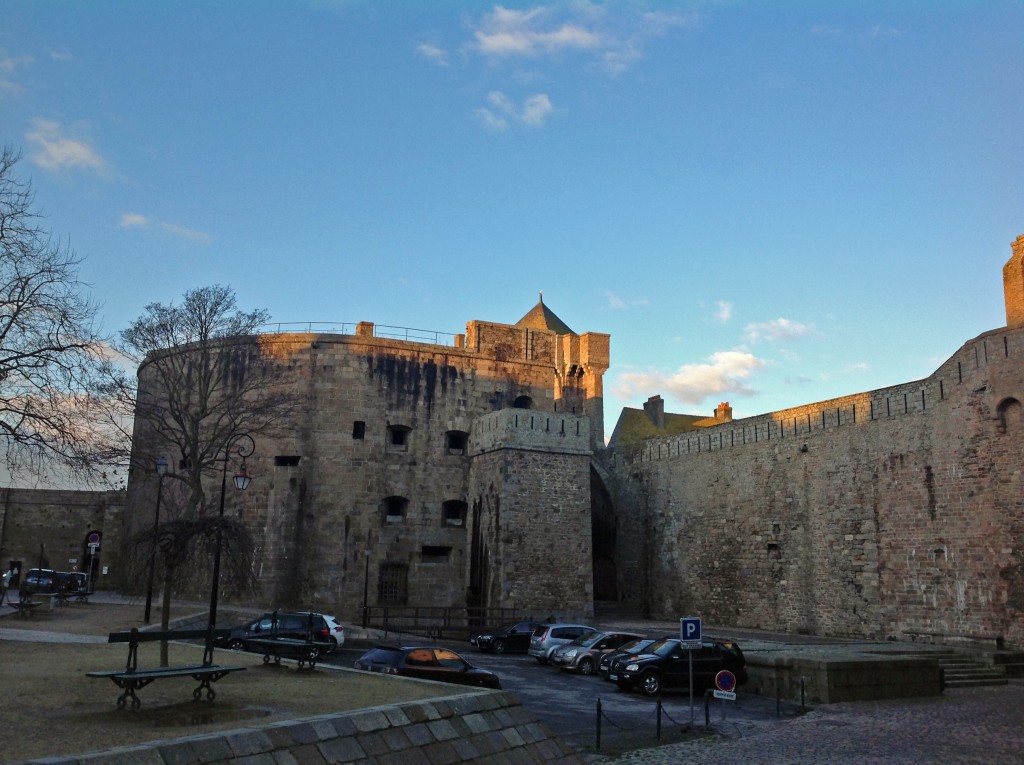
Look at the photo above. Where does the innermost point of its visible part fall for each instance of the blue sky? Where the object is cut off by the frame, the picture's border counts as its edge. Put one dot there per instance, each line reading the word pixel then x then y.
pixel 769 203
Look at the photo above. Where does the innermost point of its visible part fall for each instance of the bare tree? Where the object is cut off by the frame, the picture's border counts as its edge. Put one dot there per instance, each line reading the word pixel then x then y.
pixel 52 358
pixel 203 378
pixel 181 548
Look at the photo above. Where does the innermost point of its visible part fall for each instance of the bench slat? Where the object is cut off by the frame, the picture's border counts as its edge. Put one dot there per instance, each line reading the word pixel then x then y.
pixel 148 637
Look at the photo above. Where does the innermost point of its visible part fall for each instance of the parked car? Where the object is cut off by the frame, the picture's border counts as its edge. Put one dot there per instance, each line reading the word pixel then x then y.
pixel 666 664
pixel 509 638
pixel 426 663
pixel 547 637
pixel 42 580
pixel 299 625
pixel 582 654
pixel 629 649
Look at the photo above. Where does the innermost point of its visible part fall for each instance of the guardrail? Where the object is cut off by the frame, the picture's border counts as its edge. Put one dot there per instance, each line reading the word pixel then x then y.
pixel 409 334
pixel 438 621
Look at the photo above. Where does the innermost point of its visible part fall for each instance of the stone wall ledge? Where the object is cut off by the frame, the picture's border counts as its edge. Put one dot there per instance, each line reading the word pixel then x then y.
pixel 475 727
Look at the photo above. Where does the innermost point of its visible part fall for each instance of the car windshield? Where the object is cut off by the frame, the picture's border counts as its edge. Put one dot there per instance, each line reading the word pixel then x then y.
pixel 587 638
pixel 635 646
pixel 663 647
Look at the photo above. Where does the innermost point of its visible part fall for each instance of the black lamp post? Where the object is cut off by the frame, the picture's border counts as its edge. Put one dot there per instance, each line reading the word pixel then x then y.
pixel 161 471
pixel 241 481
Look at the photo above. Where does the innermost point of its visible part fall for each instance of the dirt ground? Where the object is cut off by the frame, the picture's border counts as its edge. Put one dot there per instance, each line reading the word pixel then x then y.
pixel 49 707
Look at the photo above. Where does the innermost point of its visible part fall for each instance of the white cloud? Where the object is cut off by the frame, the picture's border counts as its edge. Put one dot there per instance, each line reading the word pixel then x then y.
pixel 536 109
pixel 777 330
pixel 489 119
pixel 186 233
pixel 434 54
pixel 507 32
pixel 503 110
pixel 723 311
pixel 725 373
pixel 53 150
pixel 617 303
pixel 135 220
pixel 8 66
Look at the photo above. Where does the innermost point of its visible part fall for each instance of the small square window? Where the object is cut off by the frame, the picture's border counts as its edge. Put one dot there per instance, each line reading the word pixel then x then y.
pixel 453 513
pixel 435 553
pixel 358 429
pixel 455 442
pixel 398 438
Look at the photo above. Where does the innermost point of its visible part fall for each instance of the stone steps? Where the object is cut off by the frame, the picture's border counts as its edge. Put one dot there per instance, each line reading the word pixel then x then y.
pixel 959 671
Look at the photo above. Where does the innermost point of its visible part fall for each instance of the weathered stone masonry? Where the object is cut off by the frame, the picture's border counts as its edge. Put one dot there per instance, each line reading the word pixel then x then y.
pixel 898 510
pixel 421 472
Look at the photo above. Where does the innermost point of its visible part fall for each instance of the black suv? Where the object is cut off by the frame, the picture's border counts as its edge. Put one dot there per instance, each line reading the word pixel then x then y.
pixel 666 664
pixel 505 639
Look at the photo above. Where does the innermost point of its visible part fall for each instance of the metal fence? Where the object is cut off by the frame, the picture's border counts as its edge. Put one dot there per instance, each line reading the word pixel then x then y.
pixel 436 621
pixel 409 334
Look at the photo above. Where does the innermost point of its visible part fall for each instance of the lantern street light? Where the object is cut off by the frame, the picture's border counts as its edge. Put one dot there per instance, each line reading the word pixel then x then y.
pixel 161 471
pixel 241 480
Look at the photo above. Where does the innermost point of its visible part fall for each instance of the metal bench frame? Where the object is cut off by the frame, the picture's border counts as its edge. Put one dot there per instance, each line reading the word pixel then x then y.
pixel 308 652
pixel 131 678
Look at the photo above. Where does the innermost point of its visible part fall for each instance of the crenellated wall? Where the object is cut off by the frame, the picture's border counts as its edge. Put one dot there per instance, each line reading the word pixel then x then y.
pixel 896 510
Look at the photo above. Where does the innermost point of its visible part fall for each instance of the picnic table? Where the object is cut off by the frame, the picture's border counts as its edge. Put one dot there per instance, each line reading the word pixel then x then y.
pixel 131 678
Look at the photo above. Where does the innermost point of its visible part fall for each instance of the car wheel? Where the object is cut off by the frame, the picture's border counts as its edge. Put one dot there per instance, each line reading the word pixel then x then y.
pixel 650 684
pixel 586 666
pixel 334 644
pixel 498 646
pixel 541 660
pixel 313 653
pixel 236 644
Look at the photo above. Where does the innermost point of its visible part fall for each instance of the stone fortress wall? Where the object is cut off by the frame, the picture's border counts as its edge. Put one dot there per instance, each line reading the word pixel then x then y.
pixel 414 471
pixel 890 512
pixel 476 474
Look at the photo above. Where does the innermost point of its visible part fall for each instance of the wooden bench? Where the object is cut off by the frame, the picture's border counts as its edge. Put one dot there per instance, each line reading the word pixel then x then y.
pixel 276 648
pixel 132 679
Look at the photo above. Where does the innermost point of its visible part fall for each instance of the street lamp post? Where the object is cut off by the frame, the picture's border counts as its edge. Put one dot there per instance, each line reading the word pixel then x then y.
pixel 161 471
pixel 241 480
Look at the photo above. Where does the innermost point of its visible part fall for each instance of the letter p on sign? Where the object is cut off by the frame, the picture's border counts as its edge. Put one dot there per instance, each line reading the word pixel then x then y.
pixel 689 629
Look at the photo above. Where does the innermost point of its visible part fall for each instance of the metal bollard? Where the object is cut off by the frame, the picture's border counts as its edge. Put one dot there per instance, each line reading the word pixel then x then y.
pixel 659 719
pixel 778 700
pixel 707 709
pixel 803 705
pixel 598 743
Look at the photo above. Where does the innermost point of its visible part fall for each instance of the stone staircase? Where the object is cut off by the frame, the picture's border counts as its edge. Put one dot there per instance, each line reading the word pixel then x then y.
pixel 962 671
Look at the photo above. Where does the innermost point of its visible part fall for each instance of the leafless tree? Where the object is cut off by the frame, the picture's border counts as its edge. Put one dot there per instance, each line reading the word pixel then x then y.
pixel 52 358
pixel 182 546
pixel 203 378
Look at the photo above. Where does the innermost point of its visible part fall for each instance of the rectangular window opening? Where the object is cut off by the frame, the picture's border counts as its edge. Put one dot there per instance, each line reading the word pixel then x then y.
pixel 358 429
pixel 287 460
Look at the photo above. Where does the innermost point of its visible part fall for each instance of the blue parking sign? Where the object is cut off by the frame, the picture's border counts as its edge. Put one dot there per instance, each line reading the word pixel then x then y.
pixel 689 629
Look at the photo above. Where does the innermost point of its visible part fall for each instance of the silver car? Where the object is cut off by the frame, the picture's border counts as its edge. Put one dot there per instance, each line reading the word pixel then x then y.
pixel 583 654
pixel 547 637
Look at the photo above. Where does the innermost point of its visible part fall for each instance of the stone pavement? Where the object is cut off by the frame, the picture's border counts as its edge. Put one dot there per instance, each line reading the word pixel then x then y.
pixel 970 726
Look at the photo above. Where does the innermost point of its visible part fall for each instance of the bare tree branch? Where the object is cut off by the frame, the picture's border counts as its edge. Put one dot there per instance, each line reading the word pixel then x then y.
pixel 52 358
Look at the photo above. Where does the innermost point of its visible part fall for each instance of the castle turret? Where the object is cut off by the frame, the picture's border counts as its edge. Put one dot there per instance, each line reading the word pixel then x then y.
pixel 1013 285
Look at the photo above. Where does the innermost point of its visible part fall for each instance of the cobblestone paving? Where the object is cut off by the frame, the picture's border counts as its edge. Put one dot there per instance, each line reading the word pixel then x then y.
pixel 983 726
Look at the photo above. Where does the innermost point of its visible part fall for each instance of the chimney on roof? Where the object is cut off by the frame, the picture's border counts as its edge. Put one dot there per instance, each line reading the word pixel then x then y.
pixel 654 408
pixel 723 412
